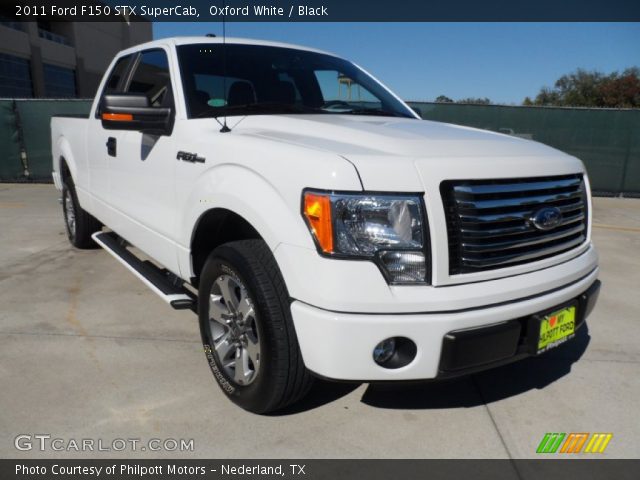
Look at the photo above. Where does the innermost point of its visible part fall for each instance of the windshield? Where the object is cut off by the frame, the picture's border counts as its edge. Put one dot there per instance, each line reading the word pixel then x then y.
pixel 262 80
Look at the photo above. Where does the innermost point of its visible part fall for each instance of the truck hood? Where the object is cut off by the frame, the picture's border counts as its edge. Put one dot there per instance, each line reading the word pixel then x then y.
pixel 388 152
pixel 366 135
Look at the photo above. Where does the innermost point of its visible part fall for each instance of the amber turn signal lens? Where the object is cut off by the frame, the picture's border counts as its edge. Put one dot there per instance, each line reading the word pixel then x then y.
pixel 317 210
pixel 118 117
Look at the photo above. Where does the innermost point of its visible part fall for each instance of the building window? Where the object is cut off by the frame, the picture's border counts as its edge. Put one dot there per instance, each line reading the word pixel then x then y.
pixel 59 82
pixel 54 37
pixel 50 31
pixel 15 77
pixel 6 18
pixel 11 24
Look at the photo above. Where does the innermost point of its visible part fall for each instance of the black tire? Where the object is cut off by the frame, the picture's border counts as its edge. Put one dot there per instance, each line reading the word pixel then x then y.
pixel 83 225
pixel 281 377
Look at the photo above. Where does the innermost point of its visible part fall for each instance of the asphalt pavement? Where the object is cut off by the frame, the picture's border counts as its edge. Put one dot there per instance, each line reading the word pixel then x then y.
pixel 88 352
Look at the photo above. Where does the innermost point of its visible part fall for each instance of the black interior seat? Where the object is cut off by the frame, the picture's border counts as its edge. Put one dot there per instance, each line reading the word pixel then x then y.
pixel 241 93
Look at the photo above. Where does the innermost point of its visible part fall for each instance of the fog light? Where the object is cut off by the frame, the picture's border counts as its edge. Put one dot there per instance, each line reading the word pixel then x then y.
pixel 384 351
pixel 404 267
pixel 395 352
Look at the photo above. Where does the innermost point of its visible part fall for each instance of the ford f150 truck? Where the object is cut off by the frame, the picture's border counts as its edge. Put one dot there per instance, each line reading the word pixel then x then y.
pixel 319 227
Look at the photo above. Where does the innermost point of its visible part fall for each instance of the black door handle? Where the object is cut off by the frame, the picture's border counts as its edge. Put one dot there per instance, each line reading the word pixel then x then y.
pixel 112 147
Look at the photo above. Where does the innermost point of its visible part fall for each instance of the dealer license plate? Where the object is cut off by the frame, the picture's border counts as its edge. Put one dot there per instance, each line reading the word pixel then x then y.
pixel 557 328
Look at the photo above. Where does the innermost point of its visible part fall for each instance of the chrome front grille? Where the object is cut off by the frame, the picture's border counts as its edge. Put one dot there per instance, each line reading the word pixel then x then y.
pixel 490 223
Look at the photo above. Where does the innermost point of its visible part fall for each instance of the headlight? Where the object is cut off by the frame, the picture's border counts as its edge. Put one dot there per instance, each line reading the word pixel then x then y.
pixel 387 229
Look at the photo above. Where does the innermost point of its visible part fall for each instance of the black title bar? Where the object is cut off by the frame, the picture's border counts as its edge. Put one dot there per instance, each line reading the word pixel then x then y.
pixel 323 10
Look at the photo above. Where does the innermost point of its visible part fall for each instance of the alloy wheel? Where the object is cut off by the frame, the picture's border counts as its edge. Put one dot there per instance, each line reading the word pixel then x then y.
pixel 69 213
pixel 236 338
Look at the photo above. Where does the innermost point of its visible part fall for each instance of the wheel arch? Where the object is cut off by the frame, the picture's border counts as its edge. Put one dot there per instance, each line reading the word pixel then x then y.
pixel 232 202
pixel 65 160
pixel 63 168
pixel 215 227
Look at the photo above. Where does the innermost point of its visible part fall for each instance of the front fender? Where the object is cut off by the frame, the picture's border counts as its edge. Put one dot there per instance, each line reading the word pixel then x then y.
pixel 246 193
pixel 260 180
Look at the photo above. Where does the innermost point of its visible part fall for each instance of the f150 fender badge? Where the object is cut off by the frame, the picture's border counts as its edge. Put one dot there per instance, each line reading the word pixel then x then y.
pixel 547 218
pixel 190 157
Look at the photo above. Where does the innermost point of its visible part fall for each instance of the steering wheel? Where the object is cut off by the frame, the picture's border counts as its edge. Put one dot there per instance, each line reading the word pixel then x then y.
pixel 337 105
pixel 332 103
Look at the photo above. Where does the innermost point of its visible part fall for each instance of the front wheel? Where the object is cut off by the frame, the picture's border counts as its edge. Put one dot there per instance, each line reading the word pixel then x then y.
pixel 247 331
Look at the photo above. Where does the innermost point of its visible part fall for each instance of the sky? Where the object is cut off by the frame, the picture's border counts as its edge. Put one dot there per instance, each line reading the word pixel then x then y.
pixel 419 61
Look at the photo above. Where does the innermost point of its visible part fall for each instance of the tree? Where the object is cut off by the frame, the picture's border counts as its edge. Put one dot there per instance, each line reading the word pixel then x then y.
pixel 477 101
pixel 584 88
pixel 622 90
pixel 547 96
pixel 473 100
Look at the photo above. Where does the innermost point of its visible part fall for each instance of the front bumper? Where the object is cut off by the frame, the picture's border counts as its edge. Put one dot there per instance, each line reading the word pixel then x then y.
pixel 340 345
pixel 473 349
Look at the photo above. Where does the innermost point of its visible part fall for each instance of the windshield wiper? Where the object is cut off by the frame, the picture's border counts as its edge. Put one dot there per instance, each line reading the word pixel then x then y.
pixel 372 111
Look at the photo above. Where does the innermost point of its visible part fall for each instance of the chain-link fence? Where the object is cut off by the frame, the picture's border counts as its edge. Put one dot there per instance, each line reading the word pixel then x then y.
pixel 607 140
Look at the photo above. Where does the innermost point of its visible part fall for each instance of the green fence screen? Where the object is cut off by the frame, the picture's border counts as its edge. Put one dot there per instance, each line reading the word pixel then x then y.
pixel 25 136
pixel 608 141
pixel 11 168
pixel 34 118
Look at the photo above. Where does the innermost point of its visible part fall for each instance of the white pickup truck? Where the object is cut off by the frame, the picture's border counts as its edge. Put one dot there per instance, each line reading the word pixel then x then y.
pixel 317 225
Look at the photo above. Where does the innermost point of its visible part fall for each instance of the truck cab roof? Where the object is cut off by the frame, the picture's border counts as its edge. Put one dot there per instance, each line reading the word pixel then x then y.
pixel 175 41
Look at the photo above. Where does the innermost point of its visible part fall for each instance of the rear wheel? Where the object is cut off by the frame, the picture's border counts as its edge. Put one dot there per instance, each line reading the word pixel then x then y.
pixel 247 330
pixel 79 224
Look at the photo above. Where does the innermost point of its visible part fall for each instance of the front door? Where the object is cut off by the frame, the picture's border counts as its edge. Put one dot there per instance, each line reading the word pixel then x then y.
pixel 98 155
pixel 141 174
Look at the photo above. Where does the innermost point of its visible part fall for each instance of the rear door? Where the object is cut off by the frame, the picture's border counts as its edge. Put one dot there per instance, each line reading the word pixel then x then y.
pixel 141 174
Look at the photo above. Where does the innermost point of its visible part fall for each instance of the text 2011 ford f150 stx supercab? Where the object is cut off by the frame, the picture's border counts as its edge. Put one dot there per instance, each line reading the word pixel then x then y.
pixel 316 225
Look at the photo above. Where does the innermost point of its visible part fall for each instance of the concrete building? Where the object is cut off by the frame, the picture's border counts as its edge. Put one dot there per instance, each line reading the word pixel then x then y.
pixel 61 59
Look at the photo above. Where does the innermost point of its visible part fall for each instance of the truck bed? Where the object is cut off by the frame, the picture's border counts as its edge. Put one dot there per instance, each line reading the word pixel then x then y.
pixel 71 115
pixel 68 141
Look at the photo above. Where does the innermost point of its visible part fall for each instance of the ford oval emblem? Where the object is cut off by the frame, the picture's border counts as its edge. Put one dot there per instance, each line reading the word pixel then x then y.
pixel 546 218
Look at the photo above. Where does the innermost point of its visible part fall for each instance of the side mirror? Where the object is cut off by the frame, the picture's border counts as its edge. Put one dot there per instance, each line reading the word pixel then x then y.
pixel 133 112
pixel 417 110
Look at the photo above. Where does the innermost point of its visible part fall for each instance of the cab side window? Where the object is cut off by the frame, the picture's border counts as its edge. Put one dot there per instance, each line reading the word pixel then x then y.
pixel 117 74
pixel 151 78
pixel 116 78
